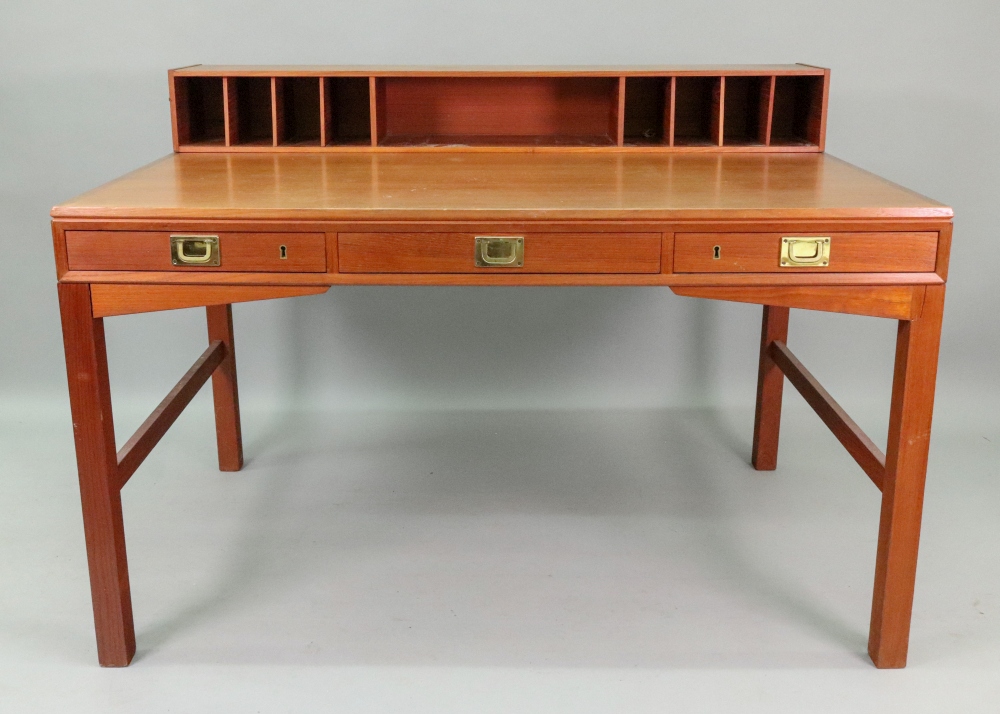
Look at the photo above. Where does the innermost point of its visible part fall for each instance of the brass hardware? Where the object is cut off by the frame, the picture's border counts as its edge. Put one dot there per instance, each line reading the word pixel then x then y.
pixel 716 252
pixel 805 252
pixel 195 250
pixel 283 252
pixel 499 252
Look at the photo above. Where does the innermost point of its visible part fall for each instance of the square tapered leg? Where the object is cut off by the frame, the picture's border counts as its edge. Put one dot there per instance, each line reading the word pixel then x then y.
pixel 100 486
pixel 770 382
pixel 224 390
pixel 913 382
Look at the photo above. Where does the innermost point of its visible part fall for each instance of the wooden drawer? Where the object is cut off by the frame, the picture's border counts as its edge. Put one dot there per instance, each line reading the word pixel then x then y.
pixel 238 252
pixel 888 252
pixel 456 253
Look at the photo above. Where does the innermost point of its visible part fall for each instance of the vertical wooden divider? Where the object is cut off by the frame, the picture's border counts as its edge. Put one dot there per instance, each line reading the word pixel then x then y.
pixel 277 111
pixel 377 119
pixel 324 112
pixel 766 110
pixel 230 111
pixel 668 110
pixel 618 115
pixel 718 110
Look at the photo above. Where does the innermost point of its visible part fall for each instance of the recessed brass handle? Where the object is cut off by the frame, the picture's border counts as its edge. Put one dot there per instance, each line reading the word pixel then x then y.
pixel 499 251
pixel 805 251
pixel 195 250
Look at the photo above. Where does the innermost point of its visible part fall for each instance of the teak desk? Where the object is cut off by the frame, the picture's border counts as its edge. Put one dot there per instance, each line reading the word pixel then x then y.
pixel 750 209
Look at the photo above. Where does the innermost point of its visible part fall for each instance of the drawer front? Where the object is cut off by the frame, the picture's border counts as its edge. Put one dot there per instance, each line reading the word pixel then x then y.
pixel 888 252
pixel 238 252
pixel 456 253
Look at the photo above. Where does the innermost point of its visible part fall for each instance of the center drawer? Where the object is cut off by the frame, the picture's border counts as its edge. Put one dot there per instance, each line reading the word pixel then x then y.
pixel 418 252
pixel 226 251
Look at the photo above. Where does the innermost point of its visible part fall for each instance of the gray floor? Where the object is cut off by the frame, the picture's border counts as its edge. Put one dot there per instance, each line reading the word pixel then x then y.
pixel 505 561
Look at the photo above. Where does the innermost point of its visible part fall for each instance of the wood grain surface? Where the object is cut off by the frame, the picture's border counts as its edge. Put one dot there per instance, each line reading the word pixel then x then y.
pixel 500 106
pixel 617 215
pixel 97 464
pixel 498 186
pixel 900 302
pixel 205 70
pixel 149 433
pixel 309 281
pixel 225 394
pixel 770 386
pixel 910 415
pixel 239 252
pixel 869 457
pixel 455 253
pixel 129 299
pixel 871 252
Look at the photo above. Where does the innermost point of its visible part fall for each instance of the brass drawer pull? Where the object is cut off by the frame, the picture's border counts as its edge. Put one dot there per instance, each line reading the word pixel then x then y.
pixel 805 252
pixel 499 252
pixel 195 250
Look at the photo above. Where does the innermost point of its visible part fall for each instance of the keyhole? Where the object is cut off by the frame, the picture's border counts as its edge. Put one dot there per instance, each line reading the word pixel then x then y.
pixel 716 252
pixel 283 252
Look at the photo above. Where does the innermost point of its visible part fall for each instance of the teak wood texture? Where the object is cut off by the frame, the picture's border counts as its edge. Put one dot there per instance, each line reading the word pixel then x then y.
pixel 692 178
pixel 561 252
pixel 724 108
pixel 240 252
pixel 506 187
pixel 898 251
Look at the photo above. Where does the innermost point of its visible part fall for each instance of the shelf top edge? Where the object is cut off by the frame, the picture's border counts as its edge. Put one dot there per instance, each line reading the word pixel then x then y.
pixel 493 71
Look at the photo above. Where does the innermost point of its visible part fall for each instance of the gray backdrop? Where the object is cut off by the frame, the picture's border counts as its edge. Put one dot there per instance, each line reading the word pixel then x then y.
pixel 83 99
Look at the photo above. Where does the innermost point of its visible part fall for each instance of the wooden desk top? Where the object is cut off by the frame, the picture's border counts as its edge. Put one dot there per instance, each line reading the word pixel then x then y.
pixel 495 185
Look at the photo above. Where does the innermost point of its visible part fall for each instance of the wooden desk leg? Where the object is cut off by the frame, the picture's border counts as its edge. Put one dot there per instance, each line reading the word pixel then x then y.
pixel 224 390
pixel 917 344
pixel 97 462
pixel 770 382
